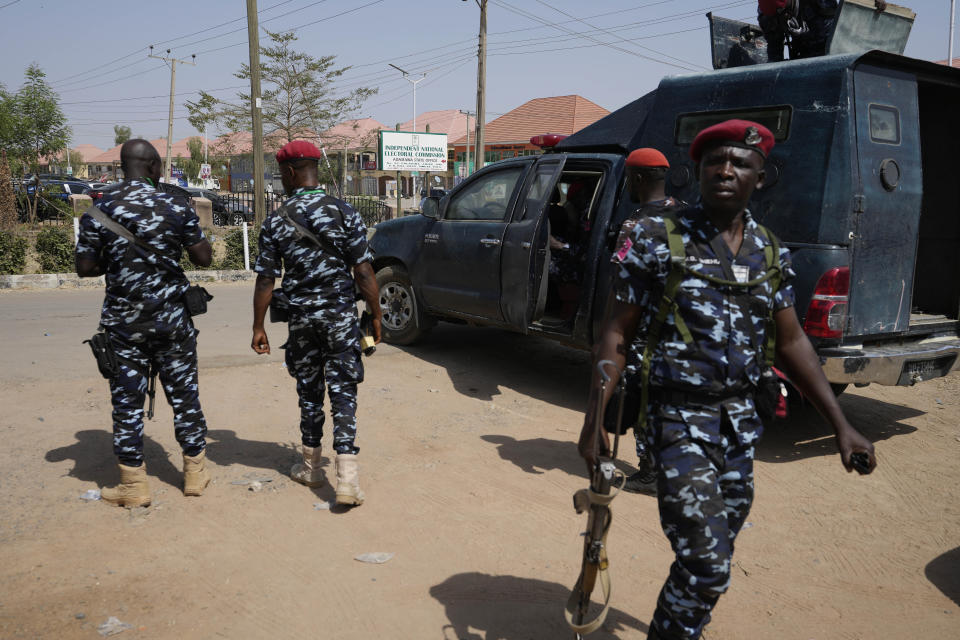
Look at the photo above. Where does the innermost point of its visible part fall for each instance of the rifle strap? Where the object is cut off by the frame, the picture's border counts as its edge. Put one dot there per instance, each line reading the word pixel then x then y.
pixel 584 498
pixel 302 232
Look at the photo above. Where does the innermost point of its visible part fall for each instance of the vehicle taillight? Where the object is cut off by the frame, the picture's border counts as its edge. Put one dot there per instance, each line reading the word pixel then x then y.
pixel 827 313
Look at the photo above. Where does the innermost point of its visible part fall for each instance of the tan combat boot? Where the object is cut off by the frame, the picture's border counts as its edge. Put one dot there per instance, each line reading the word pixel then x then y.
pixel 195 474
pixel 348 479
pixel 133 490
pixel 308 472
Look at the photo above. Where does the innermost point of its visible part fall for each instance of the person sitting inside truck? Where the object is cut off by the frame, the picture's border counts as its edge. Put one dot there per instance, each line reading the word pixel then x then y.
pixel 569 232
pixel 803 25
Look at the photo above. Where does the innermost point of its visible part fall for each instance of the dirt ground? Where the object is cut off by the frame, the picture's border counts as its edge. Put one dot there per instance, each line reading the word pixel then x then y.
pixel 469 464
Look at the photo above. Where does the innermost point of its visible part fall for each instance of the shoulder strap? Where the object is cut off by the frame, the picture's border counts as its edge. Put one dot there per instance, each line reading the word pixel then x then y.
pixel 668 303
pixel 117 228
pixel 303 233
pixel 772 257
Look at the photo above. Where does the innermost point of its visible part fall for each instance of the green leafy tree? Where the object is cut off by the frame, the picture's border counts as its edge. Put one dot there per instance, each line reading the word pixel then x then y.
pixel 191 165
pixel 32 124
pixel 8 202
pixel 298 93
pixel 121 133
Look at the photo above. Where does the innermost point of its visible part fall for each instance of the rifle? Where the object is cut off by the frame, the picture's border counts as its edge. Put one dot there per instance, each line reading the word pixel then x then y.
pixel 603 480
pixel 151 389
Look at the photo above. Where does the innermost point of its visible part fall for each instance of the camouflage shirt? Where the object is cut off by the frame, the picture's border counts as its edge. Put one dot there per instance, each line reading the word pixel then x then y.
pixel 144 290
pixel 316 282
pixel 728 326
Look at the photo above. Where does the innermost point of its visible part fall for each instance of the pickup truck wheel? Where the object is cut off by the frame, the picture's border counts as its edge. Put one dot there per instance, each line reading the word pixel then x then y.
pixel 401 323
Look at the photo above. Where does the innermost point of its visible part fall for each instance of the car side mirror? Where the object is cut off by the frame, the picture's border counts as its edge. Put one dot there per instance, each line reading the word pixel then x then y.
pixel 431 207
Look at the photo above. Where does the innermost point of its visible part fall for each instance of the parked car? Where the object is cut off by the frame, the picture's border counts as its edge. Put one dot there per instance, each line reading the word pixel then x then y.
pixel 859 187
pixel 226 211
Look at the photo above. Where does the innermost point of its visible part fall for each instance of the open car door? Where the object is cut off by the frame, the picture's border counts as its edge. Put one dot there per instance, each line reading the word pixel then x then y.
pixel 525 257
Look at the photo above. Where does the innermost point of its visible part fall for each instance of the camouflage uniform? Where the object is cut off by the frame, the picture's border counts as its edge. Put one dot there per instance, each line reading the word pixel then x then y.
pixel 324 342
pixel 703 424
pixel 144 314
pixel 632 367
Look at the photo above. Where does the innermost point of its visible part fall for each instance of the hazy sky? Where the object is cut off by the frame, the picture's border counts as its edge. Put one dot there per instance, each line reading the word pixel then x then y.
pixel 95 54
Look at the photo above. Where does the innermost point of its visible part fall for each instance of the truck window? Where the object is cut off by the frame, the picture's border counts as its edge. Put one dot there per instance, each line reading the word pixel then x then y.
pixel 777 119
pixel 487 198
pixel 884 124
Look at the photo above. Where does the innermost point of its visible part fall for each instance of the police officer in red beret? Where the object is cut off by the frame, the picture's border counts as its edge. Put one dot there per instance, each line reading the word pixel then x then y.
pixel 706 349
pixel 646 170
pixel 320 276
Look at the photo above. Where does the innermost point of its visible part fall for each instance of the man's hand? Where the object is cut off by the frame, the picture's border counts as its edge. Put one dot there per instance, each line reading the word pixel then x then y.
pixel 588 444
pixel 260 343
pixel 849 441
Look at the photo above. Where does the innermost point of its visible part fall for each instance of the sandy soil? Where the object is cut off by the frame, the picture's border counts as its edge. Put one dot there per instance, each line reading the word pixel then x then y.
pixel 468 465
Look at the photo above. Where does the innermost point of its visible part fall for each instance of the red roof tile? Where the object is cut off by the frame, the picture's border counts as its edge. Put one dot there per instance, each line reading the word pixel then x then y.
pixel 560 114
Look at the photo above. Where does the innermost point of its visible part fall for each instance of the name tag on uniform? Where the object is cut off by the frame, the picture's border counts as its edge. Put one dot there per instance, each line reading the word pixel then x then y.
pixel 741 272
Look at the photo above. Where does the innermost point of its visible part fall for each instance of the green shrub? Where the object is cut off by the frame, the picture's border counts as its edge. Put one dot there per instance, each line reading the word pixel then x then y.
pixel 233 257
pixel 55 250
pixel 13 253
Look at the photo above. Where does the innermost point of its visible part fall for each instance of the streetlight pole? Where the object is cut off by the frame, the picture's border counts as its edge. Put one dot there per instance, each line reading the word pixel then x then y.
pixel 406 76
pixel 466 156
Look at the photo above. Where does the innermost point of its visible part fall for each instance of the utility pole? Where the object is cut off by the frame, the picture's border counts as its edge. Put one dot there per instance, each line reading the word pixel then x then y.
pixel 466 156
pixel 253 36
pixel 953 7
pixel 479 151
pixel 173 88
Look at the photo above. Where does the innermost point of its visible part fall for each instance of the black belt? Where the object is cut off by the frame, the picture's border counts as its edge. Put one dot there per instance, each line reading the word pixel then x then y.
pixel 679 397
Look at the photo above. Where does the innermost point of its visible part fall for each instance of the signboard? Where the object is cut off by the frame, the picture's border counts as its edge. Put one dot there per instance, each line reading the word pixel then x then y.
pixel 412 151
pixel 205 171
pixel 178 178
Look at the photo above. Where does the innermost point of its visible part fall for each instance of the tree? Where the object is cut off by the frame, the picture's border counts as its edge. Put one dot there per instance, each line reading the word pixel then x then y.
pixel 297 95
pixel 32 124
pixel 121 133
pixel 8 202
pixel 191 165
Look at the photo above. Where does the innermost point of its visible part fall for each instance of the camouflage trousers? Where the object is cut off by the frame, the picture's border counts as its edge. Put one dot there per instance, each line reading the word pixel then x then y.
pixel 175 359
pixel 326 355
pixel 704 492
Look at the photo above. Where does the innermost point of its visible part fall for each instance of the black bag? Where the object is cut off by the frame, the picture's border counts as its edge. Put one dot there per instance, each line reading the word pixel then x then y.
pixel 279 306
pixel 107 361
pixel 195 298
pixel 767 395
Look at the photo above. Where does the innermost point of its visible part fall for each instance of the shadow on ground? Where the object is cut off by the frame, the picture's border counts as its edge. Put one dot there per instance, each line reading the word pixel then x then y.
pixel 486 607
pixel 806 435
pixel 225 448
pixel 480 361
pixel 944 572
pixel 94 461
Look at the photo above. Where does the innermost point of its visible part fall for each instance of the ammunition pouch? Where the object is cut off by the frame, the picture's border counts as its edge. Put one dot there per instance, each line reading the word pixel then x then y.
pixel 103 352
pixel 195 298
pixel 279 306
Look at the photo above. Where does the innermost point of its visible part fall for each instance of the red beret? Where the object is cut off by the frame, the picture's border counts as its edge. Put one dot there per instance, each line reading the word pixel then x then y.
pixel 647 157
pixel 770 7
pixel 298 149
pixel 737 133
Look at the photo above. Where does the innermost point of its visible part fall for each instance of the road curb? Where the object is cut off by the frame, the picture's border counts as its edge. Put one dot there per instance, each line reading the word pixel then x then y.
pixel 73 281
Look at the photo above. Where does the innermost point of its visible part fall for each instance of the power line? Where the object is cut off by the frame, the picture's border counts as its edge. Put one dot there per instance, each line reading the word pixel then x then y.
pixel 9 3
pixel 532 16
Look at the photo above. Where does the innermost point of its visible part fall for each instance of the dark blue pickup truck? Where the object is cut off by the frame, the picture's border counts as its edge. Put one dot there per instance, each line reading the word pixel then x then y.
pixel 860 187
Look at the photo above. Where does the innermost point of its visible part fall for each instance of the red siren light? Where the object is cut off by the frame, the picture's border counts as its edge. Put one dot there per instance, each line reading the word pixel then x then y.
pixel 547 140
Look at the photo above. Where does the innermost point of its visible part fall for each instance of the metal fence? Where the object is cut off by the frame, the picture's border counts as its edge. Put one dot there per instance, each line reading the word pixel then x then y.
pixel 372 210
